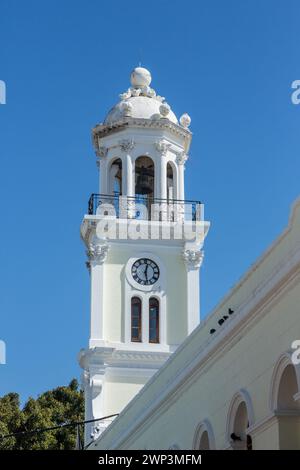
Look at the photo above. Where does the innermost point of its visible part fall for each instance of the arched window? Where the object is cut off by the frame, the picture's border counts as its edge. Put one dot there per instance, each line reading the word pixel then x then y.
pixel 153 320
pixel 285 402
pixel 115 177
pixel 204 437
pixel 136 319
pixel 240 418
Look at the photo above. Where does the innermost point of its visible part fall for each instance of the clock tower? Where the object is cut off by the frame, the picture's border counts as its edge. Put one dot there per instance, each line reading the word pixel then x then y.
pixel 144 245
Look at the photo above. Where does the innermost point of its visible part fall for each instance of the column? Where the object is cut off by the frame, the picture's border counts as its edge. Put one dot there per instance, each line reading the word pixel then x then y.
pixel 97 255
pixel 102 163
pixel 193 260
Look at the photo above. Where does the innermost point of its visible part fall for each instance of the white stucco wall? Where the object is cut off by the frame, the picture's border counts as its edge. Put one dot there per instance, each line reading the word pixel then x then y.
pixel 199 381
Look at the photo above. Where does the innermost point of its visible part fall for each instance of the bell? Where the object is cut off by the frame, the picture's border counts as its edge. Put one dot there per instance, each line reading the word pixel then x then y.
pixel 143 184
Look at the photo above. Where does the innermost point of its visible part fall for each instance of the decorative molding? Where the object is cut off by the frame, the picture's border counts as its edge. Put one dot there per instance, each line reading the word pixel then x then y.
pixel 126 145
pixel 102 130
pixel 97 253
pixel 162 147
pixel 181 158
pixel 200 429
pixel 193 258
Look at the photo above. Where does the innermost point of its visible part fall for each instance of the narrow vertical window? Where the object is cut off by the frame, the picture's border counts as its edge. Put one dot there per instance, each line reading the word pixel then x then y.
pixel 153 320
pixel 136 319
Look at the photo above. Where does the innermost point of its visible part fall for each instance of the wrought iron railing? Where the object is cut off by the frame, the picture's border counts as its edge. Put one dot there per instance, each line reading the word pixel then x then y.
pixel 144 208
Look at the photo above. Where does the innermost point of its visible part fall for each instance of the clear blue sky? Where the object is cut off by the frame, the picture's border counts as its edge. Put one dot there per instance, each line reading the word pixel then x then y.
pixel 229 64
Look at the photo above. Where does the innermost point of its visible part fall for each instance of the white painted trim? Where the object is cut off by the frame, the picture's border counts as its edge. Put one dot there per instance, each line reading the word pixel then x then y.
pixel 282 362
pixel 145 254
pixel 200 429
pixel 242 396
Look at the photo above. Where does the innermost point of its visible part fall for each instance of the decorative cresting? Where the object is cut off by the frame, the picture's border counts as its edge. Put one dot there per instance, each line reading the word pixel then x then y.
pixel 127 145
pixel 181 158
pixel 97 253
pixel 193 258
pixel 162 147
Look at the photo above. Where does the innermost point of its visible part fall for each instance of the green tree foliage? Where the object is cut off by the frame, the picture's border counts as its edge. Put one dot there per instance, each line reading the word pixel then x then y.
pixel 55 407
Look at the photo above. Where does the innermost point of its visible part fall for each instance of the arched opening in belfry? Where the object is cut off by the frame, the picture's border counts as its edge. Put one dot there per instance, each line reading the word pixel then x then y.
pixel 171 190
pixel 144 177
pixel 115 177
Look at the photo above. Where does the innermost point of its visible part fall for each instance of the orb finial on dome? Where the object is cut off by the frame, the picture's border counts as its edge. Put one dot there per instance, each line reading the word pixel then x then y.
pixel 140 77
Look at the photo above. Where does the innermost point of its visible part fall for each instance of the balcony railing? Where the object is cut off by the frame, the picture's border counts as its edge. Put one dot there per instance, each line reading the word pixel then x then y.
pixel 144 208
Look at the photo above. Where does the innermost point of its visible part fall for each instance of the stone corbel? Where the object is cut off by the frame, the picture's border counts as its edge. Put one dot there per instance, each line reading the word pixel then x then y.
pixel 162 147
pixel 193 258
pixel 97 253
pixel 101 152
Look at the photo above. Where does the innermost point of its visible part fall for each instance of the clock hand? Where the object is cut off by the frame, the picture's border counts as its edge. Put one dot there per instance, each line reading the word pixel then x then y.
pixel 146 272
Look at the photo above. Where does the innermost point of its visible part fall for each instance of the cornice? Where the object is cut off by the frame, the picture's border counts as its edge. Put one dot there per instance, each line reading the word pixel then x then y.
pixel 102 130
pixel 112 357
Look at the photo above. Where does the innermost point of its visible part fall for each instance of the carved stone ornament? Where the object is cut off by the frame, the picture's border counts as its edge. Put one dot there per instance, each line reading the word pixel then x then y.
pixel 181 158
pixel 102 152
pixel 162 147
pixel 185 120
pixel 126 108
pixel 97 253
pixel 126 144
pixel 193 258
pixel 164 109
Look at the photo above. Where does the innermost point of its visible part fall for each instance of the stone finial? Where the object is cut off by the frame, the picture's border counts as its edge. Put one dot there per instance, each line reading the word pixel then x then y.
pixel 140 77
pixel 185 120
pixel 164 109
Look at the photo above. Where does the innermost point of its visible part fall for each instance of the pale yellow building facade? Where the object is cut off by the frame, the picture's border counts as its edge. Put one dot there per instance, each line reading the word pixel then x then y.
pixel 233 385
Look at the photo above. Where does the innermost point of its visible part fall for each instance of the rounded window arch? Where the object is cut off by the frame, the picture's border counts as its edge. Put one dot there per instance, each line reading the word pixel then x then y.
pixel 153 320
pixel 240 418
pixel 285 385
pixel 136 319
pixel 204 437
pixel 144 177
pixel 116 176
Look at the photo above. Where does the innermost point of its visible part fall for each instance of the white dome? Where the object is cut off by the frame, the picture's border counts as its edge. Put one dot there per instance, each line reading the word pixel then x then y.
pixel 141 107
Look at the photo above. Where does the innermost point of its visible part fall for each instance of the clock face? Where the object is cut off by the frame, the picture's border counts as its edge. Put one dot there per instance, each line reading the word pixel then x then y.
pixel 145 271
